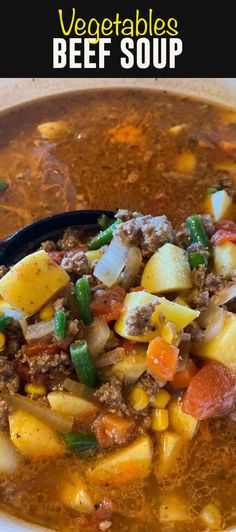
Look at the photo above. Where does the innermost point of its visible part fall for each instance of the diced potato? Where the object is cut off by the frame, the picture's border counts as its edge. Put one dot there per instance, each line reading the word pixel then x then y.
pixel 53 130
pixel 131 367
pixel 32 282
pixel 171 447
pixel 126 465
pixel 181 301
pixel 93 255
pixel 9 457
pixel 186 162
pixel 167 270
pixel 225 259
pixel 32 437
pixel 75 494
pixel 71 404
pixel 172 507
pixel 222 346
pixel 182 423
pixel 178 314
pixel 218 205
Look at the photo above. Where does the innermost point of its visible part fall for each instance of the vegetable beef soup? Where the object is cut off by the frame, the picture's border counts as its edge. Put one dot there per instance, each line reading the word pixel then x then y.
pixel 118 347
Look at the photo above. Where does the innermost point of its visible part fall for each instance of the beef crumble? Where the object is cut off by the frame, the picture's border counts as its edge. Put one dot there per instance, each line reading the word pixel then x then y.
pixel 146 232
pixel 75 263
pixel 70 240
pixel 111 395
pixel 138 321
pixel 205 284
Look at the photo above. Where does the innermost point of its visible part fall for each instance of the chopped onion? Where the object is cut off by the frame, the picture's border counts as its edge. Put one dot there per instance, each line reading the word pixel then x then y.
pixel 212 321
pixel 39 330
pixel 111 357
pixel 112 262
pixel 225 295
pixel 15 314
pixel 78 388
pixel 97 335
pixel 132 267
pixel 9 457
pixel 54 419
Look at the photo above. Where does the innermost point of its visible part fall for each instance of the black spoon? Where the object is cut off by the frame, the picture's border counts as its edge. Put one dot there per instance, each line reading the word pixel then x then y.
pixel 29 238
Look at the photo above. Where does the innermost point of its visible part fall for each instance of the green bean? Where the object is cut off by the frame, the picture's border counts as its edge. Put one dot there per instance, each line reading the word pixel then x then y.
pixel 80 441
pixel 83 363
pixel 5 321
pixel 83 299
pixel 196 259
pixel 104 222
pixel 197 231
pixel 60 324
pixel 104 237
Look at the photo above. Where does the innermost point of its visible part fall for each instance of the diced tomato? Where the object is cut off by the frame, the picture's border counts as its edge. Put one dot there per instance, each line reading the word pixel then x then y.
pixel 37 348
pixel 108 304
pixel 162 359
pixel 137 289
pixel 210 393
pixel 183 378
pixel 22 370
pixel 226 225
pixel 221 236
pixel 56 256
pixel 112 430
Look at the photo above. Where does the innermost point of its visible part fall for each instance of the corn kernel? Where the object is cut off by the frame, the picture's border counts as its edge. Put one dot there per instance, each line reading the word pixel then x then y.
pixel 139 398
pixel 162 399
pixel 160 419
pixel 211 516
pixel 47 312
pixel 2 340
pixel 34 389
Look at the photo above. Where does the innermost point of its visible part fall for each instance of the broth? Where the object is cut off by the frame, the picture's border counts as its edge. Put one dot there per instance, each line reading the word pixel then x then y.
pixel 139 150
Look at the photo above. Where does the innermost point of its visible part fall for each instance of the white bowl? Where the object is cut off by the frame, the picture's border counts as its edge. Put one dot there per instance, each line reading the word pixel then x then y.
pixel 14 91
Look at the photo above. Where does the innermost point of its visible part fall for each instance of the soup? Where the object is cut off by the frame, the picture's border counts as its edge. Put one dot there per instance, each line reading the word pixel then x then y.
pixel 117 366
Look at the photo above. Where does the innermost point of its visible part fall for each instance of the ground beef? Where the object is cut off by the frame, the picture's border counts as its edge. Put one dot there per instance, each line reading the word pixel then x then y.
pixel 111 394
pixel 224 181
pixel 9 380
pixel 197 334
pixel 138 321
pixel 70 240
pixel 3 270
pixel 48 245
pixel 45 362
pixel 208 224
pixel 146 232
pixel 76 263
pixel 74 327
pixel 199 248
pixel 205 284
pixel 124 215
pixel 149 384
pixel 14 339
pixel 60 304
pixel 4 415
pixel 183 236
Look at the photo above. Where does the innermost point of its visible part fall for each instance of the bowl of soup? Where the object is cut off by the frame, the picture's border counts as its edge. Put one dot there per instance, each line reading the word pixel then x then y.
pixel 117 359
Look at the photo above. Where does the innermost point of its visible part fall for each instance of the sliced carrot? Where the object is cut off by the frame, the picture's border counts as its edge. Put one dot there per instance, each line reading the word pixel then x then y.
pixel 210 393
pixel 162 359
pixel 229 147
pixel 183 378
pixel 38 348
pixel 108 304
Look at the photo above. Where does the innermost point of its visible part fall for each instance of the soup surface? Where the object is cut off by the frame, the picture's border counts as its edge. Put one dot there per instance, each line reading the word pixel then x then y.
pixel 161 155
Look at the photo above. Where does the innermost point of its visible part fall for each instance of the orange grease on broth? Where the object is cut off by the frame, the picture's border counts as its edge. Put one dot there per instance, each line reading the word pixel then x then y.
pixel 117 152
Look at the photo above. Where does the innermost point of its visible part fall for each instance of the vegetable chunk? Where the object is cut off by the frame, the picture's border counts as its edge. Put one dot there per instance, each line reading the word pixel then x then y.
pixel 32 437
pixel 182 423
pixel 170 453
pixel 130 463
pixel 225 259
pixel 219 205
pixel 180 315
pixel 167 270
pixel 32 282
pixel 222 347
pixel 75 494
pixel 172 508
pixel 71 404
pixel 9 458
